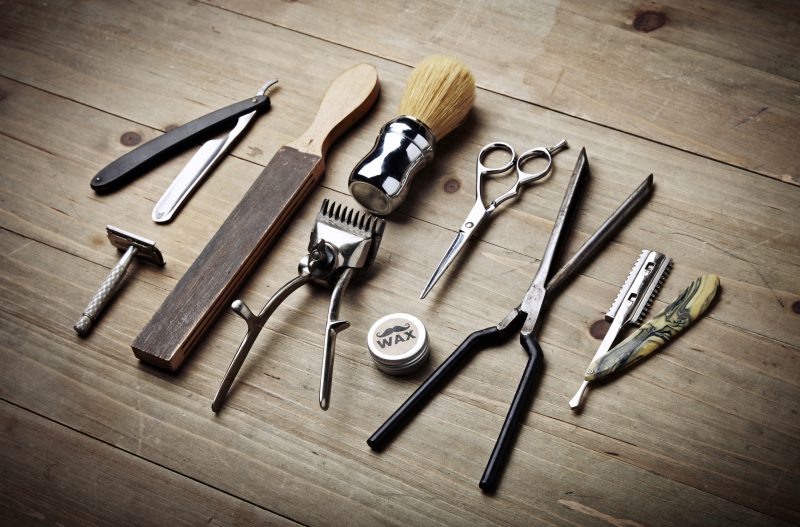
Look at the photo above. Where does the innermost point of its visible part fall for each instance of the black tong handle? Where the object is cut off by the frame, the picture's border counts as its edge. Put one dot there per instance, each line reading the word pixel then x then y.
pixel 516 413
pixel 435 382
pixel 128 167
pixel 475 342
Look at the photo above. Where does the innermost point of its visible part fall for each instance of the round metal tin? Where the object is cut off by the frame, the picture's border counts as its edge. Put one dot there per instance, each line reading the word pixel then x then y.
pixel 398 343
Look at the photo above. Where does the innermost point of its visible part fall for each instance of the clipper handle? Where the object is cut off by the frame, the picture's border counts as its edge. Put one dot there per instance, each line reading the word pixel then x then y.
pixel 255 323
pixel 332 327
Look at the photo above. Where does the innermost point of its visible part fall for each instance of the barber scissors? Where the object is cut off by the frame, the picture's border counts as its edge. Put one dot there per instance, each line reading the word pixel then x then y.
pixel 526 319
pixel 480 211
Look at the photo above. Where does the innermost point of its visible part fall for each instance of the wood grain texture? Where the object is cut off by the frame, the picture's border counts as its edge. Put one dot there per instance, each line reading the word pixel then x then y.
pixel 274 432
pixel 99 484
pixel 683 73
pixel 705 435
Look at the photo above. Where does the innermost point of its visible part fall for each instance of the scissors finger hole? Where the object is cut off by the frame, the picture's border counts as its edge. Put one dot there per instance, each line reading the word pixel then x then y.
pixel 497 157
pixel 528 163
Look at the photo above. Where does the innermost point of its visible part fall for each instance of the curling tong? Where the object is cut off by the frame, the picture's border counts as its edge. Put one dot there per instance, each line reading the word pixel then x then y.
pixel 343 245
pixel 526 319
pixel 480 211
pixel 631 304
pixel 135 163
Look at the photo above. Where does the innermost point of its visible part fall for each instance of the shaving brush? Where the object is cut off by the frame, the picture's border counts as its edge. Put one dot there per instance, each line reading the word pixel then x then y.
pixel 437 98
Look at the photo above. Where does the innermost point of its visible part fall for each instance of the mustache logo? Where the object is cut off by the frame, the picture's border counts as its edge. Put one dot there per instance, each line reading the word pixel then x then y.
pixel 395 329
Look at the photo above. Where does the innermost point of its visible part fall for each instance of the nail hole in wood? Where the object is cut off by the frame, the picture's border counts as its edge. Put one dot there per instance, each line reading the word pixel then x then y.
pixel 130 139
pixel 451 185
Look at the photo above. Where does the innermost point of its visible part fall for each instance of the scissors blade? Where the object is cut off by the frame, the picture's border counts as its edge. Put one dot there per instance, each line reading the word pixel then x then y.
pixel 475 218
pixel 455 248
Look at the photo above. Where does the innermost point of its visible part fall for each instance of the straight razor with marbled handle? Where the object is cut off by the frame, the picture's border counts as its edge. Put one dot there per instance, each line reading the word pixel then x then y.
pixel 631 304
pixel 676 317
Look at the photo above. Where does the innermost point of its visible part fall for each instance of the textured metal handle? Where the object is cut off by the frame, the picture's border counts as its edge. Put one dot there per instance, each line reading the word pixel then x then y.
pixel 106 291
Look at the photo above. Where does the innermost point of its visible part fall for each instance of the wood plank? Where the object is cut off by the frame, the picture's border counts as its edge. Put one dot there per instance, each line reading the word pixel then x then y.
pixel 131 313
pixel 272 446
pixel 688 74
pixel 704 433
pixel 700 82
pixel 743 232
pixel 87 482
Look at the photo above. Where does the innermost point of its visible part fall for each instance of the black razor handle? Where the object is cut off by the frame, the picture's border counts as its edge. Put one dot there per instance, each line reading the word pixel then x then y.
pixel 128 167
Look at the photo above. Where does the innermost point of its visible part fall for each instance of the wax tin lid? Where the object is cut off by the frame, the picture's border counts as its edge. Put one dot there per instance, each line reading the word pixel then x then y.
pixel 398 343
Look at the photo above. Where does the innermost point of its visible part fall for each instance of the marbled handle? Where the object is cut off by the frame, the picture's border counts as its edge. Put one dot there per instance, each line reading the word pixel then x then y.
pixel 676 317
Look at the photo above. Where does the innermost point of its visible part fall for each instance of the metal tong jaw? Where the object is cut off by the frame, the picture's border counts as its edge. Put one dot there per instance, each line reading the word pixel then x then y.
pixel 343 245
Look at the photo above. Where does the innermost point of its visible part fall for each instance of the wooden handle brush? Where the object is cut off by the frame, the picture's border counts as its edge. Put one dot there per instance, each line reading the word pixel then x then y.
pixel 437 98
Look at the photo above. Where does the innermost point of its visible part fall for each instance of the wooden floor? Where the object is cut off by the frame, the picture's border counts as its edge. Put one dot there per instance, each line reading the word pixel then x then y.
pixel 705 95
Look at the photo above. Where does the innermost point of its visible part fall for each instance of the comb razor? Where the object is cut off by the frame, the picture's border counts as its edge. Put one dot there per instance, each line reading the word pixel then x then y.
pixel 343 245
pixel 631 304
pixel 666 325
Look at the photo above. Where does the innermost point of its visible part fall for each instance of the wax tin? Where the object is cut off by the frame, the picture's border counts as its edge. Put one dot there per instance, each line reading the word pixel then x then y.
pixel 398 343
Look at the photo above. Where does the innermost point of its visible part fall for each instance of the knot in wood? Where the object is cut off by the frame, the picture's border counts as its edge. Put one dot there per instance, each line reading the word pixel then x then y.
pixel 452 185
pixel 130 139
pixel 650 20
pixel 599 328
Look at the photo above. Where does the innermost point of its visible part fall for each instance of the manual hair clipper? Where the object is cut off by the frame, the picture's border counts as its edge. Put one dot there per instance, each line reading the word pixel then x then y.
pixel 631 304
pixel 343 245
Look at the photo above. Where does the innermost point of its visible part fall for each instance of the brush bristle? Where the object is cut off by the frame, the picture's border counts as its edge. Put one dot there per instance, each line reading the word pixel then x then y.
pixel 440 93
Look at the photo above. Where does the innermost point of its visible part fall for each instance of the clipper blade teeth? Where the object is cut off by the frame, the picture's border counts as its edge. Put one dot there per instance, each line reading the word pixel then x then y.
pixel 337 214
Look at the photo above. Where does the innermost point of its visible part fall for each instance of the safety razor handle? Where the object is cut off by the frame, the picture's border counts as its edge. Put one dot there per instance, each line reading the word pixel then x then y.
pixel 104 293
